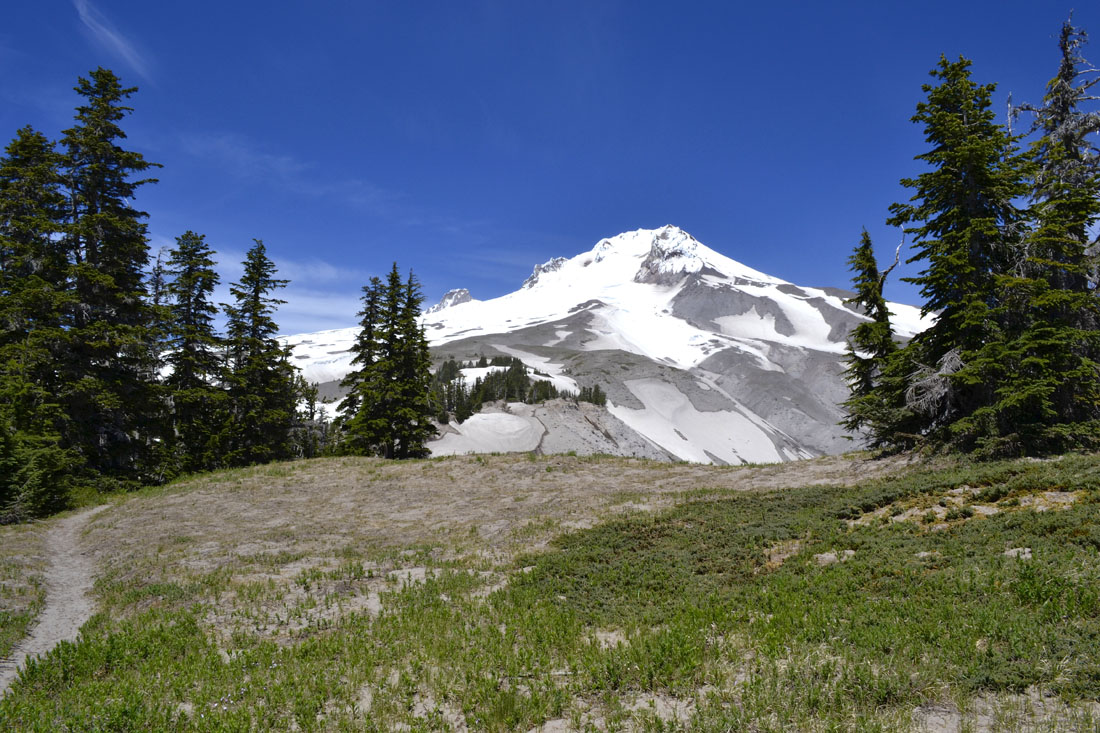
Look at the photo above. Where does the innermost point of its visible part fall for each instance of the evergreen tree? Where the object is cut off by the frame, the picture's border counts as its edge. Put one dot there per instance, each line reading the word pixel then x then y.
pixel 357 429
pixel 411 421
pixel 34 293
pixel 593 394
pixel 108 369
pixel 34 467
pixel 871 342
pixel 260 378
pixel 1063 152
pixel 391 390
pixel 1012 364
pixel 194 360
pixel 968 230
pixel 1046 369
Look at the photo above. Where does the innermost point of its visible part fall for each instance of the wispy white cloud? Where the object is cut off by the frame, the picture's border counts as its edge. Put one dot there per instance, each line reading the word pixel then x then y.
pixel 243 158
pixel 320 295
pixel 311 273
pixel 109 37
pixel 309 310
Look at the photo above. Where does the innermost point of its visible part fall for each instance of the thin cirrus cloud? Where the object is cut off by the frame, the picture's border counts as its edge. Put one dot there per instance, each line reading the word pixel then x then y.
pixel 106 35
pixel 319 295
pixel 243 158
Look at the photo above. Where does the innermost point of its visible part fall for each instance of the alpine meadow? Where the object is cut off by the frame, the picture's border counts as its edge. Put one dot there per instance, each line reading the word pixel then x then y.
pixel 650 489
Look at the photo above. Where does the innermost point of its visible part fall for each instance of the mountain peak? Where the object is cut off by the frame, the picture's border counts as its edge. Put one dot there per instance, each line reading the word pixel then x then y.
pixel 451 298
pixel 672 254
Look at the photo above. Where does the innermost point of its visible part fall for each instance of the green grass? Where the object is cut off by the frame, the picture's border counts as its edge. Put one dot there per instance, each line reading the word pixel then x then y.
pixel 689 605
pixel 22 590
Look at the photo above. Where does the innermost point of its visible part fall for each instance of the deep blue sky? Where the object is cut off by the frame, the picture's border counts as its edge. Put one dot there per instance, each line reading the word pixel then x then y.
pixel 472 140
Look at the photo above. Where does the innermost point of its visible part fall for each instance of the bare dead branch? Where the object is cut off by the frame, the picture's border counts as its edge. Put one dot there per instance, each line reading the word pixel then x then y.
pixel 897 257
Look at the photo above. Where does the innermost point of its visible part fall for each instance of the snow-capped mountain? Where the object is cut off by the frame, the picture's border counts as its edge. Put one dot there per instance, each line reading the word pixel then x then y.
pixel 703 357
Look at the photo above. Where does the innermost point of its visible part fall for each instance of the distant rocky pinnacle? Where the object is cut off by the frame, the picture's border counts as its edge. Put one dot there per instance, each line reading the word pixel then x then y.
pixel 551 266
pixel 673 254
pixel 452 298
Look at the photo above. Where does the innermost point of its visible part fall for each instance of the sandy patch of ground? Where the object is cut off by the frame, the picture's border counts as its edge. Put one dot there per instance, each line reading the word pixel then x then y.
pixel 1031 711
pixel 497 504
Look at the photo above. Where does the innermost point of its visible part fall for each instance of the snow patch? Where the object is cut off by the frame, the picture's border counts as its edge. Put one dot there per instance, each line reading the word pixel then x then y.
pixel 490 432
pixel 472 373
pixel 323 356
pixel 670 420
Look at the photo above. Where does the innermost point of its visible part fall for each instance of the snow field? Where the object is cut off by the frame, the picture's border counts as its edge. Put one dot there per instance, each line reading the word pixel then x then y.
pixel 672 422
pixel 490 432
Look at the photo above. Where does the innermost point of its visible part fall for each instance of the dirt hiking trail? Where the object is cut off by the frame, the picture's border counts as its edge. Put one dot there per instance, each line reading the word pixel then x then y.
pixel 67 607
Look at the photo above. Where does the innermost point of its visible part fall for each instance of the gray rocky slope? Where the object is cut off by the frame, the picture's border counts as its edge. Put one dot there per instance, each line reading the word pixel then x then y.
pixel 702 358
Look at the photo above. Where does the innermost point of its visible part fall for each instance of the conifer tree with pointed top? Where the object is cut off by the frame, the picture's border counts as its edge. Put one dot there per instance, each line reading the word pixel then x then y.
pixel 968 229
pixel 1047 369
pixel 34 295
pixel 357 435
pixel 390 392
pixel 871 343
pixel 377 415
pixel 412 419
pixel 109 370
pixel 260 379
pixel 158 305
pixel 194 358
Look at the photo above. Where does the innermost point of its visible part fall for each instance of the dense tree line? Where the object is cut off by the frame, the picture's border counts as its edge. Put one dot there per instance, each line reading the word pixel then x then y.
pixel 111 372
pixel 1011 364
pixel 511 381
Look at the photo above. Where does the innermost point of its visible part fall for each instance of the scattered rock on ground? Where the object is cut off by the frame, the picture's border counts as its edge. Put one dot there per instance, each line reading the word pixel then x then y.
pixel 828 558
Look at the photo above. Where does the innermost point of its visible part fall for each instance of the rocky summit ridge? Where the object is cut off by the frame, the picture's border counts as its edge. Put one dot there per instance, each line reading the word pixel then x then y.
pixel 702 357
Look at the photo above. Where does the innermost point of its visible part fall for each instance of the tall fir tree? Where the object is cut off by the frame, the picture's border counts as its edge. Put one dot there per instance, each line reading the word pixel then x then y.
pixel 382 399
pixel 871 342
pixel 356 430
pixel 412 418
pixel 108 371
pixel 194 358
pixel 260 378
pixel 391 389
pixel 1048 373
pixel 968 230
pixel 34 292
pixel 34 295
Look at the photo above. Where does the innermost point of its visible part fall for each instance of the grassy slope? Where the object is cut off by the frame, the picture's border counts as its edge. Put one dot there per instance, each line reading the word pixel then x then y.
pixel 22 592
pixel 720 611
